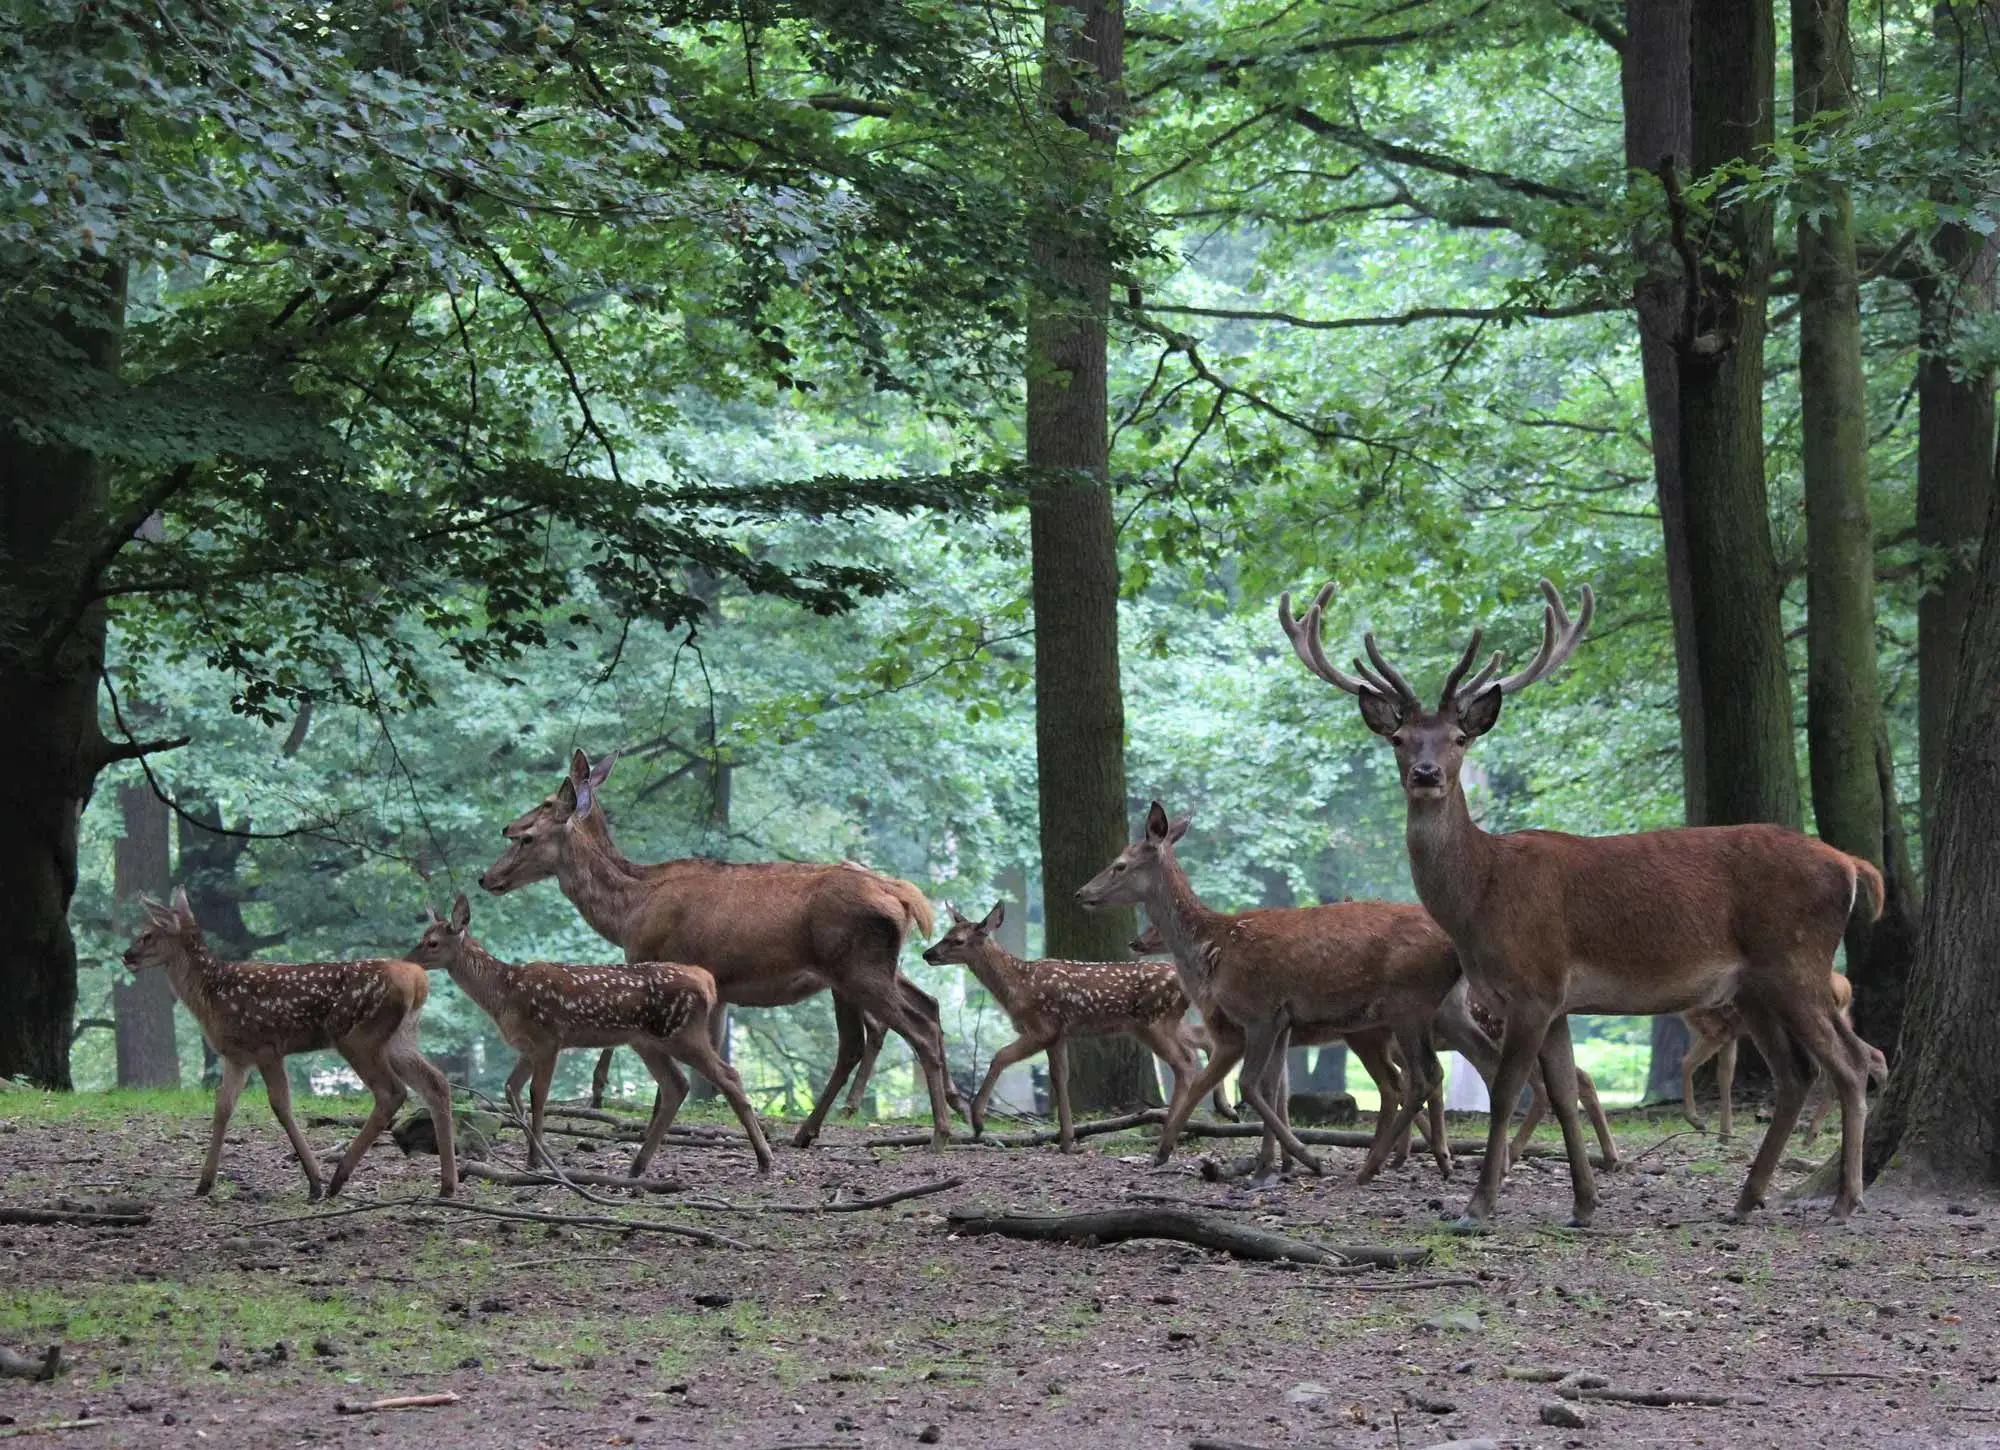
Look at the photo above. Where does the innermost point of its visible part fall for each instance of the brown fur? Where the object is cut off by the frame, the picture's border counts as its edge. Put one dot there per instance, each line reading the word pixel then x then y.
pixel 1715 1031
pixel 256 1014
pixel 1663 921
pixel 660 1010
pixel 771 933
pixel 1265 978
pixel 1049 1002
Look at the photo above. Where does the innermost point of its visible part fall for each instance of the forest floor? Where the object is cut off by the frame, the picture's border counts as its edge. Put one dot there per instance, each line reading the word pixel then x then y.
pixel 248 1319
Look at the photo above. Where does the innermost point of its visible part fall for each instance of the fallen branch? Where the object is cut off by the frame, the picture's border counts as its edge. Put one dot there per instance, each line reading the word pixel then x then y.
pixel 619 1225
pixel 376 1207
pixel 570 1176
pixel 1658 1399
pixel 1654 1147
pixel 1402 1286
pixel 397 1402
pixel 1025 1140
pixel 1116 1225
pixel 853 1205
pixel 14 1431
pixel 74 1215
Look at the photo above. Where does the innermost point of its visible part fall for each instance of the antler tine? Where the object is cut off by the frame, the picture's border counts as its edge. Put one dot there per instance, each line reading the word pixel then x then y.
pixel 1478 682
pixel 1560 636
pixel 1404 694
pixel 1305 637
pixel 1450 690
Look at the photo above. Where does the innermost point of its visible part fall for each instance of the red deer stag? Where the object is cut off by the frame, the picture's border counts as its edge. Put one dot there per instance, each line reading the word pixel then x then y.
pixel 771 934
pixel 660 1010
pixel 1663 921
pixel 1715 1031
pixel 1051 1001
pixel 1264 978
pixel 257 1014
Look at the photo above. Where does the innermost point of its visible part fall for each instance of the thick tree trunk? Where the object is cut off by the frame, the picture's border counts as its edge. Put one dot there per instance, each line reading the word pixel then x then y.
pixel 1853 786
pixel 1940 1118
pixel 143 1002
pixel 1663 1070
pixel 1955 477
pixel 1079 710
pixel 209 869
pixel 1659 129
pixel 1751 772
pixel 53 515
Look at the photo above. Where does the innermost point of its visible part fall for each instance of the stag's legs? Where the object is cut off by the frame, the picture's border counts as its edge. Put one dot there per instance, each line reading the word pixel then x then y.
pixel 408 1062
pixel 234 1074
pixel 1827 1040
pixel 697 1050
pixel 278 1088
pixel 1059 1090
pixel 1559 1072
pixel 1260 1040
pixel 847 1021
pixel 1520 1046
pixel 670 1093
pixel 1006 1057
pixel 1225 1053
pixel 871 1049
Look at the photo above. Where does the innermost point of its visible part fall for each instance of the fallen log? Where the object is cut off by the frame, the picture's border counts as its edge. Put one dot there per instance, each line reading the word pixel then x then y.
pixel 74 1215
pixel 1116 1225
pixel 573 1175
pixel 12 1432
pixel 25 1367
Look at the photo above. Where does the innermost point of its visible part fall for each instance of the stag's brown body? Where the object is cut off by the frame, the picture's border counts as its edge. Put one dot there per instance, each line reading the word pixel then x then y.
pixel 256 1014
pixel 1050 1002
pixel 1666 921
pixel 771 934
pixel 660 1010
pixel 1269 977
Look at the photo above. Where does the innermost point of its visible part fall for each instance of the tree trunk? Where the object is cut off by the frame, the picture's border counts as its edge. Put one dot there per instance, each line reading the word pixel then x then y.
pixel 1659 128
pixel 1750 770
pixel 142 1003
pixel 1079 711
pixel 53 514
pixel 209 871
pixel 1663 1070
pixel 1853 784
pixel 1940 1117
pixel 1955 478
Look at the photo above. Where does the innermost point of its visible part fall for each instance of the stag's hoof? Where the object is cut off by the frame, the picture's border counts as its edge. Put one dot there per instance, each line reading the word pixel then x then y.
pixel 1466 1226
pixel 803 1138
pixel 314 1193
pixel 202 1190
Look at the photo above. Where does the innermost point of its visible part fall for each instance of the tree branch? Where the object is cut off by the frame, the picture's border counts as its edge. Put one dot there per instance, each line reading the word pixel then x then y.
pixel 1433 161
pixel 1399 319
pixel 121 532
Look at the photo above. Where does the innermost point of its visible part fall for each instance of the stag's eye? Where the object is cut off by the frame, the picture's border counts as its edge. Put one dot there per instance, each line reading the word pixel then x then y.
pixel 1459 737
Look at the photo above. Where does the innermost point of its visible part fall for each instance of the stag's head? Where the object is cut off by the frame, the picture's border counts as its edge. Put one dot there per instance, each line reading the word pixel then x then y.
pixel 538 841
pixel 966 938
pixel 443 938
pixel 171 934
pixel 1430 744
pixel 1142 867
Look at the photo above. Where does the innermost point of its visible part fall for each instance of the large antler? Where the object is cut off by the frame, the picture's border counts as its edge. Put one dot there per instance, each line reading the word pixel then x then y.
pixel 1304 633
pixel 1560 636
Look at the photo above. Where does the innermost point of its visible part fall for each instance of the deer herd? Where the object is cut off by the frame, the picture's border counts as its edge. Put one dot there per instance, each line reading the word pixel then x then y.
pixel 1734 927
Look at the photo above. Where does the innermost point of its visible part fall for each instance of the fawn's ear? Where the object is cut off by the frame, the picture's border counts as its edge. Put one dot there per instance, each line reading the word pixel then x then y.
pixel 159 915
pixel 993 919
pixel 181 908
pixel 461 913
pixel 1156 822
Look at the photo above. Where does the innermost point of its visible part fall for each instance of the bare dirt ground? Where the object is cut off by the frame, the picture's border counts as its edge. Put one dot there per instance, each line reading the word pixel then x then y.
pixel 245 1320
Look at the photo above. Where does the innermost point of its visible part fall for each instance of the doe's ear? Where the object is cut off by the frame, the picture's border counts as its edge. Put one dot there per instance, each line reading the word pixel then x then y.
pixel 993 919
pixel 1179 828
pixel 1381 715
pixel 1481 713
pixel 1156 822
pixel 461 912
pixel 430 914
pixel 602 769
pixel 958 917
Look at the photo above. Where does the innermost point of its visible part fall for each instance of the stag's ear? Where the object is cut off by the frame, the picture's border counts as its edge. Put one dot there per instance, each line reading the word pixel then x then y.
pixel 993 919
pixel 1481 713
pixel 1156 822
pixel 461 913
pixel 1382 714
pixel 1179 828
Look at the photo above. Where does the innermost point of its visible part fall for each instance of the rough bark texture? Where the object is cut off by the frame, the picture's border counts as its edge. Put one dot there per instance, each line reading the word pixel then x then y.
pixel 1751 773
pixel 1659 128
pixel 1940 1118
pixel 1079 709
pixel 1955 478
pixel 142 1003
pixel 1663 1069
pixel 53 514
pixel 1853 784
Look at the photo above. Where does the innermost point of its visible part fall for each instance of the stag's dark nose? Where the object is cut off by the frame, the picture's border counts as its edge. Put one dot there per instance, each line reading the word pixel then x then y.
pixel 1426 774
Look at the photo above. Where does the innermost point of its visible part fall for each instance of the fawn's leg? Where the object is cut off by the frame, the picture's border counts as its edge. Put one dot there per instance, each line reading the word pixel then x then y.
pixel 234 1075
pixel 698 1052
pixel 278 1088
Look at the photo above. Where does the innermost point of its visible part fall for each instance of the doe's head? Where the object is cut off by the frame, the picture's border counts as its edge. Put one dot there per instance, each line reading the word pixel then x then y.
pixel 444 937
pixel 538 840
pixel 170 933
pixel 965 938
pixel 1140 869
pixel 1430 744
